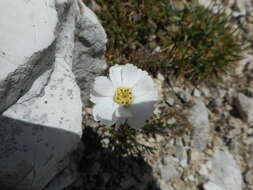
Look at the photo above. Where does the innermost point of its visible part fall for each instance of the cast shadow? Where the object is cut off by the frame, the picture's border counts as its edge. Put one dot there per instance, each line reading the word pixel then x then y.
pixel 102 169
pixel 32 155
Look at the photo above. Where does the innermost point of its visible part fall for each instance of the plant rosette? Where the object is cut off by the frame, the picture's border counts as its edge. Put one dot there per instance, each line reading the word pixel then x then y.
pixel 126 97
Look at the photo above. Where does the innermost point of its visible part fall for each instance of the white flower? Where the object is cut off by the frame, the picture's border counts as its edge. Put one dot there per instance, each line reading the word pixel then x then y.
pixel 128 95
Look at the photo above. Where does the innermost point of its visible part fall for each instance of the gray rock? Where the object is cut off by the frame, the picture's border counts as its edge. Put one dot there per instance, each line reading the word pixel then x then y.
pixel 236 126
pixel 194 155
pixel 205 91
pixel 225 173
pixel 64 178
pixel 88 61
pixel 215 6
pixel 249 177
pixel 205 169
pixel 41 126
pixel 41 130
pixel 170 101
pixel 205 3
pixel 231 93
pixel 212 186
pixel 182 94
pixel 169 168
pixel 198 118
pixel 222 93
pixel 244 64
pixel 181 153
pixel 249 92
pixel 244 6
pixel 165 186
pixel 244 105
pixel 218 102
pixel 196 93
pixel 26 46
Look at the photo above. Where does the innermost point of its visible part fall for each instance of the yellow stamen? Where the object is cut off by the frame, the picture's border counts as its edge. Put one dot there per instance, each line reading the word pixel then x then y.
pixel 124 96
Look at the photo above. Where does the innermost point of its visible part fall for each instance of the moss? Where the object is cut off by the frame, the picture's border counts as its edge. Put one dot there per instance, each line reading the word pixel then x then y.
pixel 192 42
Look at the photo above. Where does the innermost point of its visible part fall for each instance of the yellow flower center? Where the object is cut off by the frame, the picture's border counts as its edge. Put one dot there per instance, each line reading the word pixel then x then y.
pixel 124 96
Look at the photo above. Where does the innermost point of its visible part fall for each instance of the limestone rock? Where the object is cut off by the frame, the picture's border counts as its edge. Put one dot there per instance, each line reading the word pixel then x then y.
pixel 214 5
pixel 245 64
pixel 205 3
pixel 249 177
pixel 225 174
pixel 244 105
pixel 205 169
pixel 212 186
pixel 41 120
pixel 182 94
pixel 88 61
pixel 169 169
pixel 165 186
pixel 244 6
pixel 26 43
pixel 181 154
pixel 198 118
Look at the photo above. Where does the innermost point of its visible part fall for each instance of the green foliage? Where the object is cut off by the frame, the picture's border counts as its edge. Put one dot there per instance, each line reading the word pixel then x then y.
pixel 202 44
pixel 194 42
pixel 122 140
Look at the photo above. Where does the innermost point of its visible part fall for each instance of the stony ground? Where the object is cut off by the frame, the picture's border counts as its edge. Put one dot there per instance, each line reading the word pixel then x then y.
pixel 213 148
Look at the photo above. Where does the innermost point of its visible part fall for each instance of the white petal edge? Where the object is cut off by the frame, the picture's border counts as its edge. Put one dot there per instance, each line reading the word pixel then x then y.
pixel 103 86
pixel 115 74
pixel 144 85
pixel 130 75
pixel 150 97
pixel 122 112
pixel 105 110
pixel 141 112
pixel 99 99
pixel 108 123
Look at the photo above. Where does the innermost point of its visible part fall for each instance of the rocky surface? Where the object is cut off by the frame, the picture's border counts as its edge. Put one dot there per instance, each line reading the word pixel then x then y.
pixel 198 118
pixel 32 26
pixel 225 173
pixel 41 122
pixel 89 50
pixel 244 105
pixel 211 147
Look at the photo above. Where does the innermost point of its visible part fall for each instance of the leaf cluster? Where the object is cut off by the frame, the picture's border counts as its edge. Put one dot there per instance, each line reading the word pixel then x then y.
pixel 122 141
pixel 193 42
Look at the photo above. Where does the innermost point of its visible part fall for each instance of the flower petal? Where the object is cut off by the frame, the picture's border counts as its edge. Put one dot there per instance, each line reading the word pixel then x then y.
pixel 103 86
pixel 115 75
pixel 99 99
pixel 149 97
pixel 122 112
pixel 141 112
pixel 104 110
pixel 130 75
pixel 144 85
pixel 107 122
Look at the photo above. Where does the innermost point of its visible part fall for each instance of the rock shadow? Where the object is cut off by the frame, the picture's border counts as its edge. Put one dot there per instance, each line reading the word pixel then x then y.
pixel 101 169
pixel 31 155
